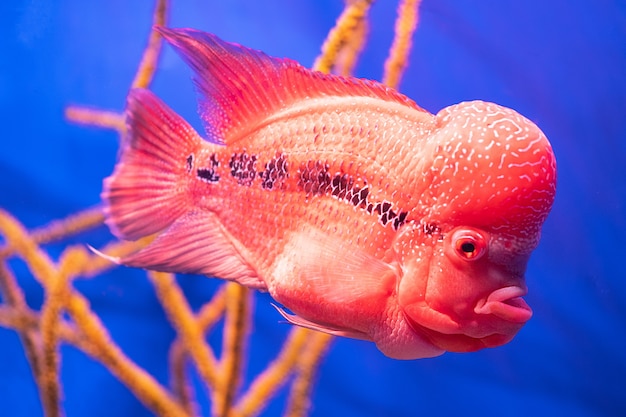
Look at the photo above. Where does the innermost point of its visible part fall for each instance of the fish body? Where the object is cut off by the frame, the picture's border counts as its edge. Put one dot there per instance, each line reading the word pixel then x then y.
pixel 360 212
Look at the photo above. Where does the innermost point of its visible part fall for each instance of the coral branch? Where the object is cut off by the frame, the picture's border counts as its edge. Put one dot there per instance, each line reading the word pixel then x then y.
pixel 61 229
pixel 274 376
pixel 406 23
pixel 142 384
pixel 98 118
pixel 145 388
pixel 236 326
pixel 300 398
pixel 349 54
pixel 43 332
pixel 345 28
pixel 212 311
pixel 143 78
pixel 148 64
pixel 10 291
pixel 208 315
pixel 178 311
pixel 50 317
pixel 181 388
pixel 30 337
pixel 17 237
pixel 28 320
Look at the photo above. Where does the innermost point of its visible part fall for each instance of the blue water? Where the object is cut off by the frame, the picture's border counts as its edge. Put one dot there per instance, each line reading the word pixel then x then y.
pixel 560 63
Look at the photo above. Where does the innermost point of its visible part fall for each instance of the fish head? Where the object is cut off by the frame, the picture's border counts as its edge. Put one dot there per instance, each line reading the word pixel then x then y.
pixel 491 185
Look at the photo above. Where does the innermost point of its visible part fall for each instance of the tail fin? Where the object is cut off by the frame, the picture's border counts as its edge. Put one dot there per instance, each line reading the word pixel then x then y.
pixel 148 190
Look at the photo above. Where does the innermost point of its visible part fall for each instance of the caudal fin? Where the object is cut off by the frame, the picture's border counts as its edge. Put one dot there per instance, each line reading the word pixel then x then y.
pixel 148 190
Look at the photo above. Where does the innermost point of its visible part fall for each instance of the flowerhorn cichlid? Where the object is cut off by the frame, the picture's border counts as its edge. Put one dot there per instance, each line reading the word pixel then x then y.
pixel 361 213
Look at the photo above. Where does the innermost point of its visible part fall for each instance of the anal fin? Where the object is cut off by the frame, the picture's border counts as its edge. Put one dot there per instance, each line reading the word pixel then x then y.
pixel 197 243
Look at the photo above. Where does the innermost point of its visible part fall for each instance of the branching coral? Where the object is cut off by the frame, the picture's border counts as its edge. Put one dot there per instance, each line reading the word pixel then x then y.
pixel 67 318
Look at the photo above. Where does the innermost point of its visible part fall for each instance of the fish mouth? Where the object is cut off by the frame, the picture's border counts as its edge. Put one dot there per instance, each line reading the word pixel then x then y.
pixel 506 304
pixel 445 333
pixel 497 319
pixel 461 343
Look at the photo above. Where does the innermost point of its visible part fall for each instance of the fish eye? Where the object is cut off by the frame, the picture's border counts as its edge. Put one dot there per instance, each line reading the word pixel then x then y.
pixel 469 244
pixel 468 248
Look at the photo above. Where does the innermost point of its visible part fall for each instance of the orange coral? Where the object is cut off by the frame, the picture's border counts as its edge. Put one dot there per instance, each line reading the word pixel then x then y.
pixel 43 332
pixel 406 24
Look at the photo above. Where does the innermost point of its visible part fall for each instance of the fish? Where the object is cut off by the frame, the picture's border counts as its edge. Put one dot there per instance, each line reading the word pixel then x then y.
pixel 361 213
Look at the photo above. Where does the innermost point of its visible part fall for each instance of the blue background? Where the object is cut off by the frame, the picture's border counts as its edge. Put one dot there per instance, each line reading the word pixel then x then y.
pixel 560 63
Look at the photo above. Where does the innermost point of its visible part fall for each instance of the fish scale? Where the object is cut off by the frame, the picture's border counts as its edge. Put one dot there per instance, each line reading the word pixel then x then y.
pixel 334 149
pixel 359 212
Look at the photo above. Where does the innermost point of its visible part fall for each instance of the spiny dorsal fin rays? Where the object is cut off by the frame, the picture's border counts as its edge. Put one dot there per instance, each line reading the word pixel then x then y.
pixel 241 87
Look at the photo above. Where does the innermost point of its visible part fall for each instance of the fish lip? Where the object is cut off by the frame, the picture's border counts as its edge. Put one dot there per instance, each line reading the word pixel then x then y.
pixel 507 304
pixel 504 312
pixel 457 341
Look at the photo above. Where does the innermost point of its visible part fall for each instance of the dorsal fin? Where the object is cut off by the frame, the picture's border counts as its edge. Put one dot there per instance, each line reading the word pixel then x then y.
pixel 241 87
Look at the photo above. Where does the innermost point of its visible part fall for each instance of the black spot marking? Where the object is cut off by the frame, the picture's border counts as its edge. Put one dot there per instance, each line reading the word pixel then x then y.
pixel 209 174
pixel 400 220
pixel 275 173
pixel 359 196
pixel 189 163
pixel 341 184
pixel 431 228
pixel 313 178
pixel 243 168
pixel 214 162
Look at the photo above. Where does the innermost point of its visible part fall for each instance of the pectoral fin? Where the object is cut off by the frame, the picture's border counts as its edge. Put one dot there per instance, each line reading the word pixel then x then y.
pixel 332 285
pixel 339 271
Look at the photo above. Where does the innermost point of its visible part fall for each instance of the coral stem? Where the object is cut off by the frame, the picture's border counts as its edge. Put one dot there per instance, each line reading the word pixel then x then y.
pixel 274 376
pixel 406 23
pixel 136 379
pixel 147 66
pixel 300 397
pixel 347 24
pixel 184 321
pixel 99 118
pixel 236 326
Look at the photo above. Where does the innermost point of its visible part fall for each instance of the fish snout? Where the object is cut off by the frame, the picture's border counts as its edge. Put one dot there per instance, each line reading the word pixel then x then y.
pixel 507 304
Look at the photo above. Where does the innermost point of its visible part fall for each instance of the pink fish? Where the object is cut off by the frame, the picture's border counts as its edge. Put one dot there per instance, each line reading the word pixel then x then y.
pixel 360 212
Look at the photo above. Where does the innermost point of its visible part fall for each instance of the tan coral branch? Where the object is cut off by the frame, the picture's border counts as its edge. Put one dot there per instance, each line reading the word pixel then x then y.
pixel 61 229
pixel 179 381
pixel 148 64
pixel 178 311
pixel 236 326
pixel 208 315
pixel 30 336
pixel 143 385
pixel 274 376
pixel 98 118
pixel 349 54
pixel 347 24
pixel 97 344
pixel 28 320
pixel 406 23
pixel 300 396
pixel 51 311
